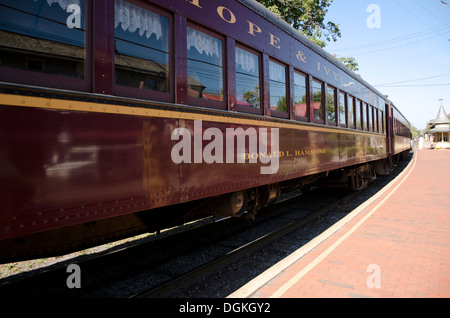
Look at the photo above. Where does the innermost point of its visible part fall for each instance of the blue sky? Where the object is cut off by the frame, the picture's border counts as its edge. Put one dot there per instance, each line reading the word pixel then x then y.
pixel 406 58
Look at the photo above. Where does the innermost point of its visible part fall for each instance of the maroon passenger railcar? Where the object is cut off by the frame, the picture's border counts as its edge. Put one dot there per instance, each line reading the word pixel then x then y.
pixel 112 109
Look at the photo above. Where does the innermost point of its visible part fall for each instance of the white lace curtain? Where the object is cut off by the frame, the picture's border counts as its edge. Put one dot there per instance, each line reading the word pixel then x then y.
pixel 132 18
pixel 277 72
pixel 204 43
pixel 247 61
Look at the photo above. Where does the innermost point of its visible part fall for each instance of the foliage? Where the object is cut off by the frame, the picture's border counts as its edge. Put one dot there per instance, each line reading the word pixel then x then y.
pixel 307 16
pixel 350 63
pixel 415 132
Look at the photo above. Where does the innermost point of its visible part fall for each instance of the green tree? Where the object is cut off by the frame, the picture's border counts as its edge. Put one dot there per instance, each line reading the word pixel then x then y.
pixel 307 16
pixel 415 132
pixel 350 63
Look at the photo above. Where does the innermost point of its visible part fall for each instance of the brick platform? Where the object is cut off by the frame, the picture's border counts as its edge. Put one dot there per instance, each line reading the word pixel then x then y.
pixel 397 244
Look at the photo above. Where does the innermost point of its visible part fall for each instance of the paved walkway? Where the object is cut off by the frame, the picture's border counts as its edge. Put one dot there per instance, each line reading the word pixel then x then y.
pixel 397 244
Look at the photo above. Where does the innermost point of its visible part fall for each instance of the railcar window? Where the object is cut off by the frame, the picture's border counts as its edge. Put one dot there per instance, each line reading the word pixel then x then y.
pixel 277 75
pixel 248 90
pixel 317 88
pixel 205 65
pixel 375 119
pixel 342 109
pixel 300 100
pixel 331 105
pixel 358 114
pixel 370 117
pixel 351 111
pixel 141 48
pixel 364 117
pixel 376 126
pixel 42 36
pixel 401 129
pixel 381 121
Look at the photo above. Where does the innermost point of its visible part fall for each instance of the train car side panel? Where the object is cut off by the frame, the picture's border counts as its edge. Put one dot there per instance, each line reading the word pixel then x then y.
pixel 67 167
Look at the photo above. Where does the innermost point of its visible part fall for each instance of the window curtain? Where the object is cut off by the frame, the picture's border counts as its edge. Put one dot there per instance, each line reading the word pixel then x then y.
pixel 132 18
pixel 247 61
pixel 277 72
pixel 202 42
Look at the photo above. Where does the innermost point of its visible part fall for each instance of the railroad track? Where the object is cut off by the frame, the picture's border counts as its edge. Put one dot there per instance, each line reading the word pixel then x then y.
pixel 183 281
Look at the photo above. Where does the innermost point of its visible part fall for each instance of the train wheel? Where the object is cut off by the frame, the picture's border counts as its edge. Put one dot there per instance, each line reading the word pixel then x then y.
pixel 238 201
pixel 231 204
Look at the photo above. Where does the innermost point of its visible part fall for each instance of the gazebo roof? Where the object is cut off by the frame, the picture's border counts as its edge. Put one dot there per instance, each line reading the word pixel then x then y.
pixel 442 117
pixel 441 124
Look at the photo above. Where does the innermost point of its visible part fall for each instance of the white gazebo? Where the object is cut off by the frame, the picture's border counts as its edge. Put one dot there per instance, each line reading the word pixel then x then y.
pixel 440 128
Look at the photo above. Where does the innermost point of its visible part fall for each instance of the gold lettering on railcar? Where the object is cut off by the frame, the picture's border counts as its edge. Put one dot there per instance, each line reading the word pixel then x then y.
pixel 252 28
pixel 327 70
pixel 281 154
pixel 232 18
pixel 195 3
pixel 275 41
pixel 301 57
pixel 335 76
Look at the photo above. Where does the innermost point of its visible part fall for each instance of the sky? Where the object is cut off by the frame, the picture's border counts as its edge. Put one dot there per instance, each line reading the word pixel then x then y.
pixel 402 48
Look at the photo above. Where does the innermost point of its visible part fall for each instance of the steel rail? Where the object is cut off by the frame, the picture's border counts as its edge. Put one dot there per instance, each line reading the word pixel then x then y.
pixel 184 280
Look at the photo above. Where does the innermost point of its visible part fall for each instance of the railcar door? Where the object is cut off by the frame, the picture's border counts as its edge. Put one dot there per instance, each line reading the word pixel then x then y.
pixel 389 129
